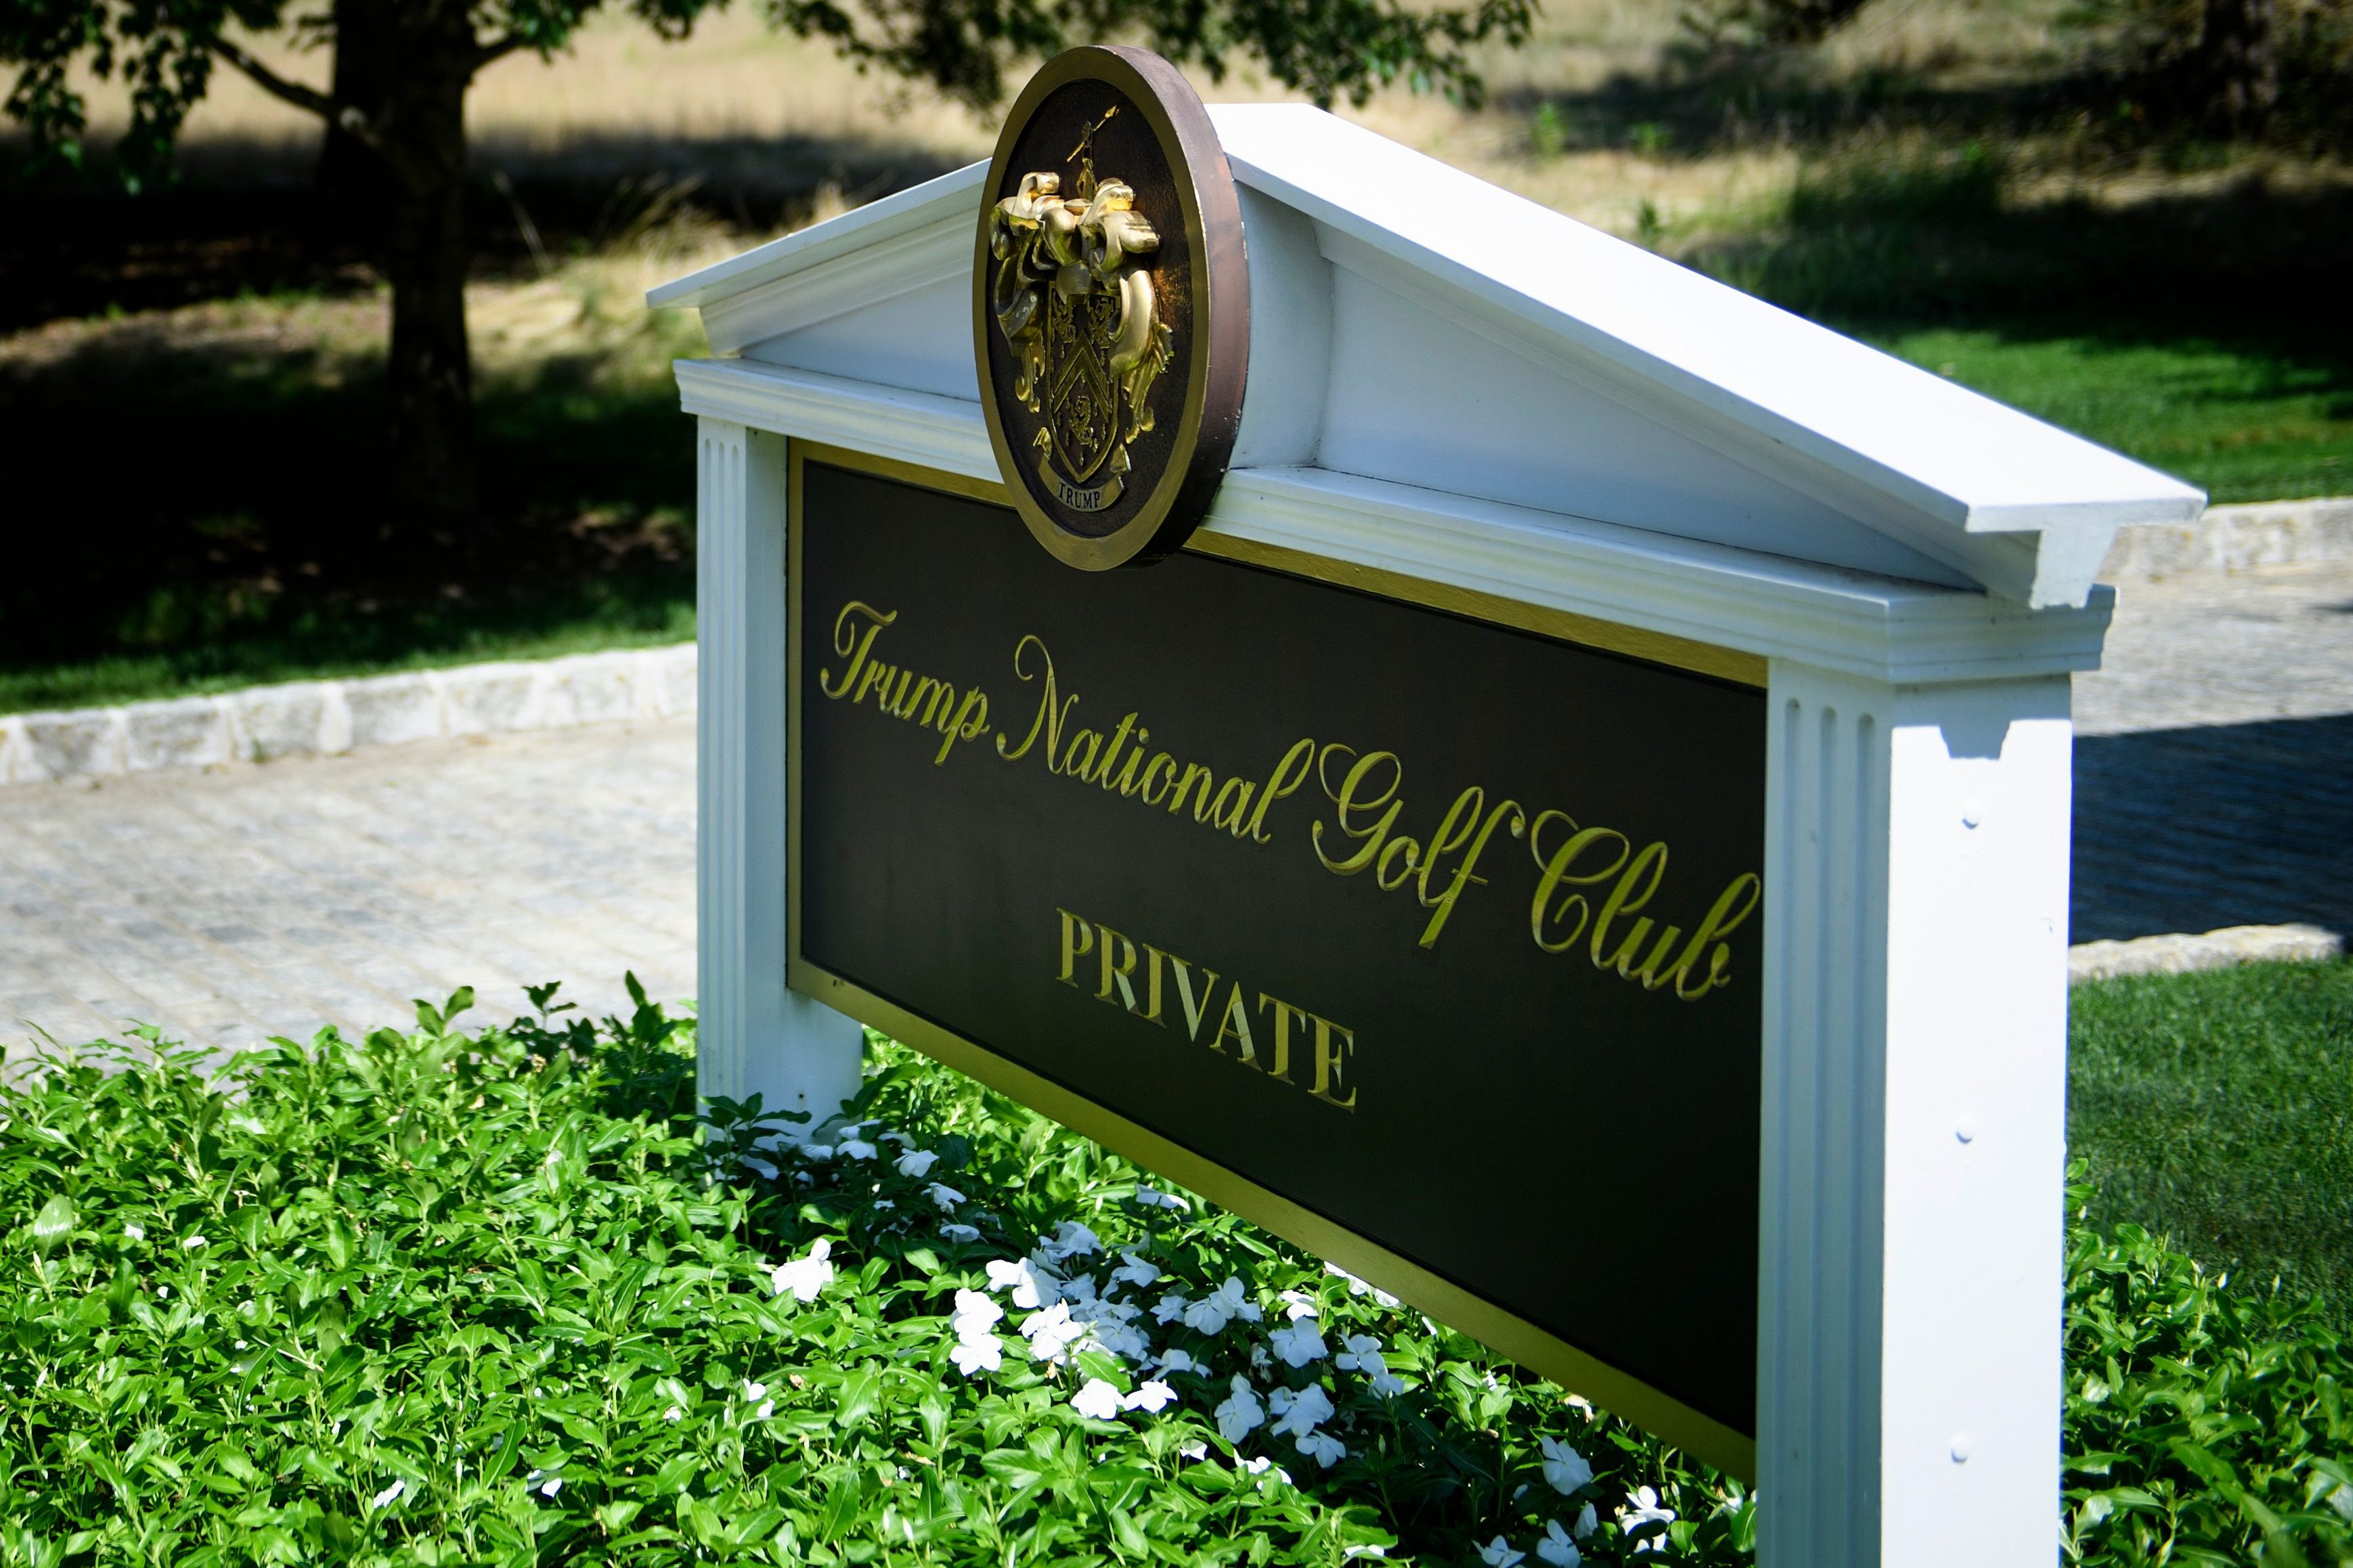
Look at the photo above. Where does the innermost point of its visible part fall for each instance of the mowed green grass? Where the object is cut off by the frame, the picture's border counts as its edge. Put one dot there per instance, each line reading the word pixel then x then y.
pixel 2217 1109
pixel 2241 424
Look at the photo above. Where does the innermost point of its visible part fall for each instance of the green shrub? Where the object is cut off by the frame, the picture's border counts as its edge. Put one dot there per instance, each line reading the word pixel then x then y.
pixel 487 1298
pixel 494 1297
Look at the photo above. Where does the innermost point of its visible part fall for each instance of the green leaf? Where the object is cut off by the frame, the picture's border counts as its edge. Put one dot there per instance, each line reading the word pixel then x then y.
pixel 54 1224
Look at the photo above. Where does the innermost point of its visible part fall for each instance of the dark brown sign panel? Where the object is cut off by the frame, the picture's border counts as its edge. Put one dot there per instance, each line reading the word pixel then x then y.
pixel 1395 924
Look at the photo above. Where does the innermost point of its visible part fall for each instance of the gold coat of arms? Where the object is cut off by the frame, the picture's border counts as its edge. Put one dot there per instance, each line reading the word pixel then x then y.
pixel 1074 297
pixel 1110 308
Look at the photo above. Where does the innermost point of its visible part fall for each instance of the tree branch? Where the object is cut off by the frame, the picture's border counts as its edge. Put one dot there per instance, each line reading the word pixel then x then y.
pixel 499 48
pixel 343 117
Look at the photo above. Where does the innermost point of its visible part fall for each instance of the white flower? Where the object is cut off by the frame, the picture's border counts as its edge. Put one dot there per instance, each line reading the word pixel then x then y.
pixel 1242 1413
pixel 389 1495
pixel 1098 1399
pixel 548 1482
pixel 767 1408
pixel 1137 1271
pixel 1556 1547
pixel 134 1231
pixel 1151 1199
pixel 974 1314
pixel 965 1234
pixel 1299 1343
pixel 883 1203
pixel 817 1151
pixel 753 1392
pixel 805 1276
pixel 917 1163
pixel 1260 1359
pixel 1151 1396
pixel 1171 1306
pixel 1360 1288
pixel 948 1197
pixel 673 1414
pixel 1299 1412
pixel 1031 1289
pixel 1586 1522
pixel 1642 1508
pixel 1298 1304
pixel 982 1353
pixel 1051 1332
pixel 1257 1467
pixel 1179 1361
pixel 1364 1355
pixel 856 1149
pixel 1323 1449
pixel 193 1242
pixel 1192 1450
pixel 1212 1313
pixel 1564 1468
pixel 1496 1555
pixel 1071 1240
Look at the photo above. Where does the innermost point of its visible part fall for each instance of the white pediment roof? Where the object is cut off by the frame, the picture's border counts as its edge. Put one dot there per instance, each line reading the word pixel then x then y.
pixel 1414 326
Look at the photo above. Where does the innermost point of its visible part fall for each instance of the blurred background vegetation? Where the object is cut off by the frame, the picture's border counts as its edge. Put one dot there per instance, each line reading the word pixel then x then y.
pixel 2121 215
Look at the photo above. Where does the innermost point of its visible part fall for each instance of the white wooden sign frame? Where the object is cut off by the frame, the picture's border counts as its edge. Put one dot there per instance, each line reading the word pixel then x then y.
pixel 1452 384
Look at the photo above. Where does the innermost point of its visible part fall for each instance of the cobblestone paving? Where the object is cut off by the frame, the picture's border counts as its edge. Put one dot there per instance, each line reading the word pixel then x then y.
pixel 2214 771
pixel 227 906
pixel 2214 787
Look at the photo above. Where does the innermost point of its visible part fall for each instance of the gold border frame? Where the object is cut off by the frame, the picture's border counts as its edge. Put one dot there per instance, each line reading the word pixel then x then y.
pixel 1616 1391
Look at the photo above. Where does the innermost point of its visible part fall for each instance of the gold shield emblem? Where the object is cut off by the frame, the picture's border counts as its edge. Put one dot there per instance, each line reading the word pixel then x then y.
pixel 1110 307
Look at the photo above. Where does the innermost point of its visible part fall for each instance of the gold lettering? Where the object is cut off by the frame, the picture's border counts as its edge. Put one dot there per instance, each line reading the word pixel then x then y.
pixel 1236 1025
pixel 1331 1063
pixel 1115 973
pixel 1073 927
pixel 1402 848
pixel 1347 801
pixel 1184 787
pixel 1230 817
pixel 1071 768
pixel 1052 709
pixel 1283 1013
pixel 1126 782
pixel 969 722
pixel 935 698
pixel 878 675
pixel 1721 921
pixel 1283 780
pixel 1100 773
pixel 1557 870
pixel 1444 902
pixel 1151 1013
pixel 852 644
pixel 1193 1011
pixel 1625 900
pixel 1159 760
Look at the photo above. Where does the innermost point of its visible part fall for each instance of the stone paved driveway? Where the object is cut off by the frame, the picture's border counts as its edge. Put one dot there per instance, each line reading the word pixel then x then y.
pixel 2214 787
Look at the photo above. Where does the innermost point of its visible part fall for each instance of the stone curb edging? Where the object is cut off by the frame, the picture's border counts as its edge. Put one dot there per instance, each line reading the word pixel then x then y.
pixel 2234 538
pixel 2179 954
pixel 311 718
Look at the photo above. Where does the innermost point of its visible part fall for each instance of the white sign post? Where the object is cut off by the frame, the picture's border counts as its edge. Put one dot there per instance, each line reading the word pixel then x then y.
pixel 1451 386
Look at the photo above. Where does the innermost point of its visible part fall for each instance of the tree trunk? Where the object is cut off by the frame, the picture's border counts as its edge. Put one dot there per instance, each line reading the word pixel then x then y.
pixel 427 372
pixel 351 182
pixel 2239 51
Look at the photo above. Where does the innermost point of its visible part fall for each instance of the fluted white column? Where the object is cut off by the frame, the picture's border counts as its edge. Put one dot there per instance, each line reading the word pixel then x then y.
pixel 755 1036
pixel 1913 1122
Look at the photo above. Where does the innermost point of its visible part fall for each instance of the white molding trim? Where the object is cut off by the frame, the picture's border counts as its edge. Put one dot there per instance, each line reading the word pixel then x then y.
pixel 938 253
pixel 1880 628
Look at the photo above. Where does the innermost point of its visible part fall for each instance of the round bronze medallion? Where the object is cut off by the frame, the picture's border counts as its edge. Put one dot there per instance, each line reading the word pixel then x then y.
pixel 1110 307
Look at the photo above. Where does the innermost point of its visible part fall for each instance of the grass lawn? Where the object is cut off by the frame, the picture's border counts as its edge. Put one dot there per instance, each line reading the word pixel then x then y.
pixel 2218 1108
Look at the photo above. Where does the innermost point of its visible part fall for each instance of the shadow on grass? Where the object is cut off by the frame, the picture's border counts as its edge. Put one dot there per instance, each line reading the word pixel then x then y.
pixel 223 525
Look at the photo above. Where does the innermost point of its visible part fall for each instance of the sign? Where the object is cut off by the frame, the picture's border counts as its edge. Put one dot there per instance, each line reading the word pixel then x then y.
pixel 1110 307
pixel 1427 940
